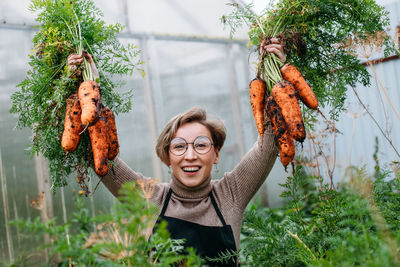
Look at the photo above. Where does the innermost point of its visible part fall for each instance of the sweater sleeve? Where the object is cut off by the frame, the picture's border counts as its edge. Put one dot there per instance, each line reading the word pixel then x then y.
pixel 121 173
pixel 250 173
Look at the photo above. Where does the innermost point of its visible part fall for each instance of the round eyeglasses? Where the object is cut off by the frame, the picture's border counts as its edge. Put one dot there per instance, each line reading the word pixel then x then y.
pixel 201 145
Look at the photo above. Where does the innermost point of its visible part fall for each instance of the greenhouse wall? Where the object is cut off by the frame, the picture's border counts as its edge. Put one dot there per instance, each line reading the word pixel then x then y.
pixel 372 114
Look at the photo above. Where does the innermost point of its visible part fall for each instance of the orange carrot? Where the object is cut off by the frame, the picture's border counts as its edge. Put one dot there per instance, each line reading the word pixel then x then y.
pixel 98 134
pixel 285 96
pixel 283 140
pixel 113 137
pixel 72 124
pixel 306 94
pixel 90 99
pixel 257 94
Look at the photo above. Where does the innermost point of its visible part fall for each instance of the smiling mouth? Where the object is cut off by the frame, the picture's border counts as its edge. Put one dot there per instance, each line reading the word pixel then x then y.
pixel 191 169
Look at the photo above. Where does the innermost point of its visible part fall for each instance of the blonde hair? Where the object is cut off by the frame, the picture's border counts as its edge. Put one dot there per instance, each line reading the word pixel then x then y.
pixel 195 114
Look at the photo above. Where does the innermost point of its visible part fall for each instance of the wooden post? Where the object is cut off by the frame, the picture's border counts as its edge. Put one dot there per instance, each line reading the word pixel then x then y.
pixel 151 118
pixel 234 96
pixel 44 185
pixel 64 210
pixel 16 217
pixel 6 210
pixel 28 209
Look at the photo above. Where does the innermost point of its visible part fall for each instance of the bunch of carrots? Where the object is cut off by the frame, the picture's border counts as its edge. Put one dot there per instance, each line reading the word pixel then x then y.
pixel 281 103
pixel 84 110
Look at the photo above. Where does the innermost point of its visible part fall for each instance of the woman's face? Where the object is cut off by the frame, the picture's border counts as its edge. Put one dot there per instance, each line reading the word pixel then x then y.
pixel 192 168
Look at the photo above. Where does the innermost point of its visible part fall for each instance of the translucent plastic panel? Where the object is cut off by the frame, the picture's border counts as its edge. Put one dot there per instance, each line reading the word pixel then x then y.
pixel 156 16
pixel 16 12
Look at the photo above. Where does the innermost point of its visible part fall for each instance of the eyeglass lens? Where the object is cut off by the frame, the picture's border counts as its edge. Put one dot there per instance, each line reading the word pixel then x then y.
pixel 201 145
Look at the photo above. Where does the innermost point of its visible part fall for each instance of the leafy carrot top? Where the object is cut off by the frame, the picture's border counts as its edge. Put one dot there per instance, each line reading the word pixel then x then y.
pixel 313 33
pixel 66 27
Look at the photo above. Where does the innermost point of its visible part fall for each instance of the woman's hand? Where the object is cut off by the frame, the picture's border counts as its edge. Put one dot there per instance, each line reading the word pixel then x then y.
pixel 274 46
pixel 75 60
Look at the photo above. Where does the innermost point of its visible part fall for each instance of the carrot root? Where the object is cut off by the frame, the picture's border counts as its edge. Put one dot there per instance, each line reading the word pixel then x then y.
pixel 285 96
pixel 90 99
pixel 257 94
pixel 72 124
pixel 283 140
pixel 98 134
pixel 113 136
pixel 306 94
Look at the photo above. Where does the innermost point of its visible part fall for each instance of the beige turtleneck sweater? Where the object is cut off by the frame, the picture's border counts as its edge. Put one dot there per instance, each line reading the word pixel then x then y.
pixel 232 192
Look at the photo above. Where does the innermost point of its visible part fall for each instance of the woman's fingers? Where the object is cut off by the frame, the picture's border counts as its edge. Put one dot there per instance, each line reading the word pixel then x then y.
pixel 94 71
pixel 275 40
pixel 87 56
pixel 91 63
pixel 74 60
pixel 277 50
pixel 263 44
pixel 274 46
pixel 278 53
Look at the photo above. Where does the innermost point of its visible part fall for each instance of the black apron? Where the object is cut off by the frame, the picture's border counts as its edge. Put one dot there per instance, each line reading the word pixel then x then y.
pixel 209 241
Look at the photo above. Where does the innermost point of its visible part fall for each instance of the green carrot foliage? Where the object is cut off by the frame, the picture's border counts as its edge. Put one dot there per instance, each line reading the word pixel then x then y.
pixel 314 34
pixel 64 26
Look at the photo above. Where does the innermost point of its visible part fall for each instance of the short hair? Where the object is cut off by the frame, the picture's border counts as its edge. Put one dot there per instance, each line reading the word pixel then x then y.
pixel 195 114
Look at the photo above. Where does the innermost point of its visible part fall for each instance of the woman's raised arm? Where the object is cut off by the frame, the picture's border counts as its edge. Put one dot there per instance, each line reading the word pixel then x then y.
pixel 120 173
pixel 248 176
pixel 250 173
pixel 117 175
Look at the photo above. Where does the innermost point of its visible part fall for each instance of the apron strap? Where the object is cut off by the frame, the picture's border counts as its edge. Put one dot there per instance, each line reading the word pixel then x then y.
pixel 165 205
pixel 214 203
pixel 217 209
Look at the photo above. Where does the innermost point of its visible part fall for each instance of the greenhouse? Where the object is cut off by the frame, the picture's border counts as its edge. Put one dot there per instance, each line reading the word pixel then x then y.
pixel 187 55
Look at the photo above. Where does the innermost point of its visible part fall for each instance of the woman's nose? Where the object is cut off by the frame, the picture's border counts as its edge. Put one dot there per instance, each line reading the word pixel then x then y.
pixel 190 153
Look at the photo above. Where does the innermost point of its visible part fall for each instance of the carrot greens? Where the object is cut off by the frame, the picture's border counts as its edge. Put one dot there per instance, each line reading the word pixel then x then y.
pixel 313 33
pixel 66 27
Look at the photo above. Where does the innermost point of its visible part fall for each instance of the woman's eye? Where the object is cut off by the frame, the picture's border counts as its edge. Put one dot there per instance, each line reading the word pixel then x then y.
pixel 201 145
pixel 179 146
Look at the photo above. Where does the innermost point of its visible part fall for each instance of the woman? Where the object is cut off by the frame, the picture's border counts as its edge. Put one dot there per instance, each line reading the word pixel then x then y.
pixel 206 213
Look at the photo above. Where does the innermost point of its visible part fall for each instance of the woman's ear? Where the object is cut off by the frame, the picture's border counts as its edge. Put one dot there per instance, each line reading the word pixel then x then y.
pixel 216 156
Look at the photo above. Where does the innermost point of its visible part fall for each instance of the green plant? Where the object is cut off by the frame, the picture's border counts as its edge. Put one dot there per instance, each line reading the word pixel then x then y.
pixel 67 27
pixel 315 35
pixel 357 224
pixel 114 239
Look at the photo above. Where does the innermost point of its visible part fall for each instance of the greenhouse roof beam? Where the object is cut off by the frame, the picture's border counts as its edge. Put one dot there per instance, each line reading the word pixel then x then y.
pixel 182 38
pixel 141 35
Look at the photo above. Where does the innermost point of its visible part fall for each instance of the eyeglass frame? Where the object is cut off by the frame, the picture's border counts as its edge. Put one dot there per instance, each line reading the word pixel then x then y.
pixel 192 143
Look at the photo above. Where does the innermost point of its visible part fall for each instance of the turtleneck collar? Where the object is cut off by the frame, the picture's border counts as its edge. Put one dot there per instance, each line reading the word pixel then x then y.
pixel 197 192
